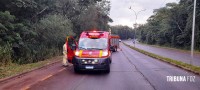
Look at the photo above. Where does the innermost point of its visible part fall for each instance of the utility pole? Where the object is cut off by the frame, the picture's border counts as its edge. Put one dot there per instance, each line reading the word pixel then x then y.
pixel 135 24
pixel 193 30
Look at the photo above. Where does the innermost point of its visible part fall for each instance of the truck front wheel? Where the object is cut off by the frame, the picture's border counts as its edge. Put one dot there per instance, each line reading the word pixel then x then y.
pixel 108 69
pixel 76 70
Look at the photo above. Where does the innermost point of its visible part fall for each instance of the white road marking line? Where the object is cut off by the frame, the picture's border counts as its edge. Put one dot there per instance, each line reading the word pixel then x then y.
pixel 61 70
pixel 25 88
pixel 46 77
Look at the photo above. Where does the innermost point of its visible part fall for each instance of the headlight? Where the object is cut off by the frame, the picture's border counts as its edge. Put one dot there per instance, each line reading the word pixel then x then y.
pixel 77 53
pixel 105 53
pixel 95 60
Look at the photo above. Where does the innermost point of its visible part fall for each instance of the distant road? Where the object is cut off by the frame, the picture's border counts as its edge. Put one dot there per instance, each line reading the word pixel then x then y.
pixel 130 70
pixel 170 53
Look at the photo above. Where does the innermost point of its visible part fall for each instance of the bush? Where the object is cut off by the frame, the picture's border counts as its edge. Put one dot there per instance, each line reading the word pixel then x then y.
pixel 48 37
pixel 5 55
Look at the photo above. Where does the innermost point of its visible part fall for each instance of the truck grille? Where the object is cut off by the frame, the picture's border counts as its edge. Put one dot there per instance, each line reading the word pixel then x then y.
pixel 89 61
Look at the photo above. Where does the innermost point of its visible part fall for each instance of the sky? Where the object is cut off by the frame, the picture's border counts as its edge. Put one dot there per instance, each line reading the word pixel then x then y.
pixel 122 15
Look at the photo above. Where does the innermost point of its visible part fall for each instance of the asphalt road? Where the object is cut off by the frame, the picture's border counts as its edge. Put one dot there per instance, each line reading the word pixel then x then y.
pixel 170 53
pixel 130 70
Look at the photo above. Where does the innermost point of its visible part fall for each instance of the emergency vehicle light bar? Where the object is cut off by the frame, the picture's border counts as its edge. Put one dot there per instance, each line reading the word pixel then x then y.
pixel 94 34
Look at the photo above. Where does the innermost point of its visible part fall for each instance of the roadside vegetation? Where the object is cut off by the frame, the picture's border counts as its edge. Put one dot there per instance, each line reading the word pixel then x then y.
pixel 171 26
pixel 189 67
pixel 15 69
pixel 34 30
pixel 124 32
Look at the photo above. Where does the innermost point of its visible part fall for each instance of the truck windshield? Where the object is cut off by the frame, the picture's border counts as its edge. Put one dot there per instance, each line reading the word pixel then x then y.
pixel 88 43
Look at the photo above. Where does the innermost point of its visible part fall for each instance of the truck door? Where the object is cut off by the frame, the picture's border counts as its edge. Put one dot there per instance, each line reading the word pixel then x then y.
pixel 71 47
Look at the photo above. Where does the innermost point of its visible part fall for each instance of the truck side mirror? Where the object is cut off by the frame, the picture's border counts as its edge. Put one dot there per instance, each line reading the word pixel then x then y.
pixel 73 47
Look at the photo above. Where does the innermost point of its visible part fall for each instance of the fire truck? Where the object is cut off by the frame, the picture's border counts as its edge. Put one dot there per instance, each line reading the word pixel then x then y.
pixel 93 50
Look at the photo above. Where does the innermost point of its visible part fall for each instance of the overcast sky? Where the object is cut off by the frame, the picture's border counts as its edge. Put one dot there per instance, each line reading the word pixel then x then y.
pixel 122 15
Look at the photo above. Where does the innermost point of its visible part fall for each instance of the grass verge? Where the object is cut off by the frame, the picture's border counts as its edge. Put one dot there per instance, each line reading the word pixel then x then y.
pixel 189 67
pixel 15 69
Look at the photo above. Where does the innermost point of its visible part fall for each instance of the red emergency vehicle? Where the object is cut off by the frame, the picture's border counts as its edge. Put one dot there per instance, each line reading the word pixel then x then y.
pixel 93 51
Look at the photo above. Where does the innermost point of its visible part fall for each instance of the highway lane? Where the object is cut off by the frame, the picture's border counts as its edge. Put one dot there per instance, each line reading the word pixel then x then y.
pixel 130 70
pixel 123 76
pixel 170 53
pixel 157 71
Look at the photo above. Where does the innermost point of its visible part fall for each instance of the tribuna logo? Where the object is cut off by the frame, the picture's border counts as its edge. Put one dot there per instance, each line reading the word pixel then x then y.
pixel 180 78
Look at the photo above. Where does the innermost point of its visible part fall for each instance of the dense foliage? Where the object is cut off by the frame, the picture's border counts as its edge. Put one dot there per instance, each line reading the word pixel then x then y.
pixel 124 32
pixel 172 26
pixel 33 30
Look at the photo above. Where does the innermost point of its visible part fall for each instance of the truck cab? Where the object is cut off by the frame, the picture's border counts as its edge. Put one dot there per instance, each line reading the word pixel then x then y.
pixel 93 51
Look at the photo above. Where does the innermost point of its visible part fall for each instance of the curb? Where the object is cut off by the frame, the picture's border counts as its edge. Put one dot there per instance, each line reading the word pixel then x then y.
pixel 4 80
pixel 164 60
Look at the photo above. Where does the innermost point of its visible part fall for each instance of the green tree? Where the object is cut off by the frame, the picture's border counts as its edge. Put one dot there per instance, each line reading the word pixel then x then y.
pixel 171 26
